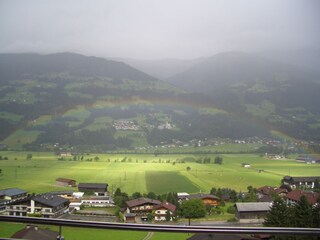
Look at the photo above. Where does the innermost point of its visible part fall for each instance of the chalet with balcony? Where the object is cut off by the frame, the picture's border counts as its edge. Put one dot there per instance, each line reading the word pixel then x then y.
pixel 12 194
pixel 300 182
pixel 44 205
pixel 162 210
pixel 141 206
pixel 207 199
pixel 294 196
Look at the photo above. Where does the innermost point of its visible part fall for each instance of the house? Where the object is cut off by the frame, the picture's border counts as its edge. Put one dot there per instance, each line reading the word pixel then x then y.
pixel 182 196
pixel 65 182
pixel 207 199
pixel 33 232
pixel 294 196
pixel 12 194
pixel 44 205
pixel 141 206
pixel 267 193
pixel 97 201
pixel 252 212
pixel 313 158
pixel 98 189
pixel 300 182
pixel 162 210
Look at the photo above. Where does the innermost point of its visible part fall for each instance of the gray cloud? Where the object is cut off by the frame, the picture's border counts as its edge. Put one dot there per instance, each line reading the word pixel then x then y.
pixel 157 29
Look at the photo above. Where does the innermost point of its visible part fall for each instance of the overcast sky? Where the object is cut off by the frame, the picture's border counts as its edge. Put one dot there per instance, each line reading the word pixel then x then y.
pixel 151 29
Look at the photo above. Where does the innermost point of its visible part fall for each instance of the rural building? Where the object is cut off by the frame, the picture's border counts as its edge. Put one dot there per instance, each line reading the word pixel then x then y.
pixel 207 199
pixel 141 206
pixel 245 165
pixel 12 194
pixel 300 182
pixel 33 232
pixel 294 196
pixel 183 196
pixel 253 212
pixel 308 158
pixel 46 205
pixel 98 189
pixel 161 210
pixel 97 201
pixel 130 217
pixel 65 182
pixel 266 193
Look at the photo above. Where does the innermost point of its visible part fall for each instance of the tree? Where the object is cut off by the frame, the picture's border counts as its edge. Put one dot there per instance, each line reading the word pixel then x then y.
pixel 218 160
pixel 278 216
pixel 152 195
pixel 316 214
pixel 168 216
pixel 188 168
pixel 193 208
pixel 136 195
pixel 303 213
pixel 29 156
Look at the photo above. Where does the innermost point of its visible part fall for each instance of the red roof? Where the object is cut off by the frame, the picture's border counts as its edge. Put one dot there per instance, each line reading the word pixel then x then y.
pixel 295 195
pixel 142 201
pixel 166 205
pixel 266 190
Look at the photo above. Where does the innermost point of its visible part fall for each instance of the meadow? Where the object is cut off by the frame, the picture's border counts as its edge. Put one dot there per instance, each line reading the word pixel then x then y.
pixel 146 172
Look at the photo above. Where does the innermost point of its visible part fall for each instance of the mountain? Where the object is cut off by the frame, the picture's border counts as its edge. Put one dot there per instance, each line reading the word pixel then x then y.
pixel 72 101
pixel 283 95
pixel 15 66
pixel 162 68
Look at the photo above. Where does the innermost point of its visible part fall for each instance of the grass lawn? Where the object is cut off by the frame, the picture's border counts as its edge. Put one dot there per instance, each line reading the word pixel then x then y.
pixel 146 172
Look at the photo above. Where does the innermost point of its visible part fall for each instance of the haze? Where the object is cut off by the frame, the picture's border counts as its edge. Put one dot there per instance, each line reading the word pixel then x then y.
pixel 147 29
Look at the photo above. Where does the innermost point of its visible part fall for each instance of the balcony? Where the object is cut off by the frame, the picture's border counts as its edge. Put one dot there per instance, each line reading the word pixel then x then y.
pixel 174 229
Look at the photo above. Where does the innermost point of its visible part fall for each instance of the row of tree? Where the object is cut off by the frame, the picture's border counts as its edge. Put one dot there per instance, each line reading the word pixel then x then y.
pixel 301 214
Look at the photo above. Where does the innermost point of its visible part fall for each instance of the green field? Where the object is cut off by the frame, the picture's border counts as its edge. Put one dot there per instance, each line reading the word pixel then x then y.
pixel 146 172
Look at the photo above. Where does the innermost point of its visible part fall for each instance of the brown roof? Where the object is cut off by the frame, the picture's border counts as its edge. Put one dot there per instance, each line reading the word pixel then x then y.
pixel 203 196
pixel 295 195
pixel 66 180
pixel 266 190
pixel 166 205
pixel 142 201
pixel 33 232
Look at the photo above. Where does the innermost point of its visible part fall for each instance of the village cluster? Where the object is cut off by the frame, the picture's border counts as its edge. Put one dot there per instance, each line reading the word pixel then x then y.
pixel 17 202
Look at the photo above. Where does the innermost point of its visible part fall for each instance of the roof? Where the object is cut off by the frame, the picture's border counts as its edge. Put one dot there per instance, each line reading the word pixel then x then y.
pixel 12 192
pixel 33 232
pixel 66 180
pixel 302 179
pixel 50 200
pixel 142 201
pixel 295 195
pixel 93 185
pixel 253 207
pixel 266 190
pixel 203 196
pixel 169 206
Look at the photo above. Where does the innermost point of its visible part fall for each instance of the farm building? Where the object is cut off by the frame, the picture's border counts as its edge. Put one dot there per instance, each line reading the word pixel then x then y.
pixel 267 191
pixel 160 211
pixel 66 182
pixel 98 189
pixel 308 158
pixel 130 217
pixel 97 201
pixel 207 199
pixel 253 212
pixel 141 206
pixel 300 182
